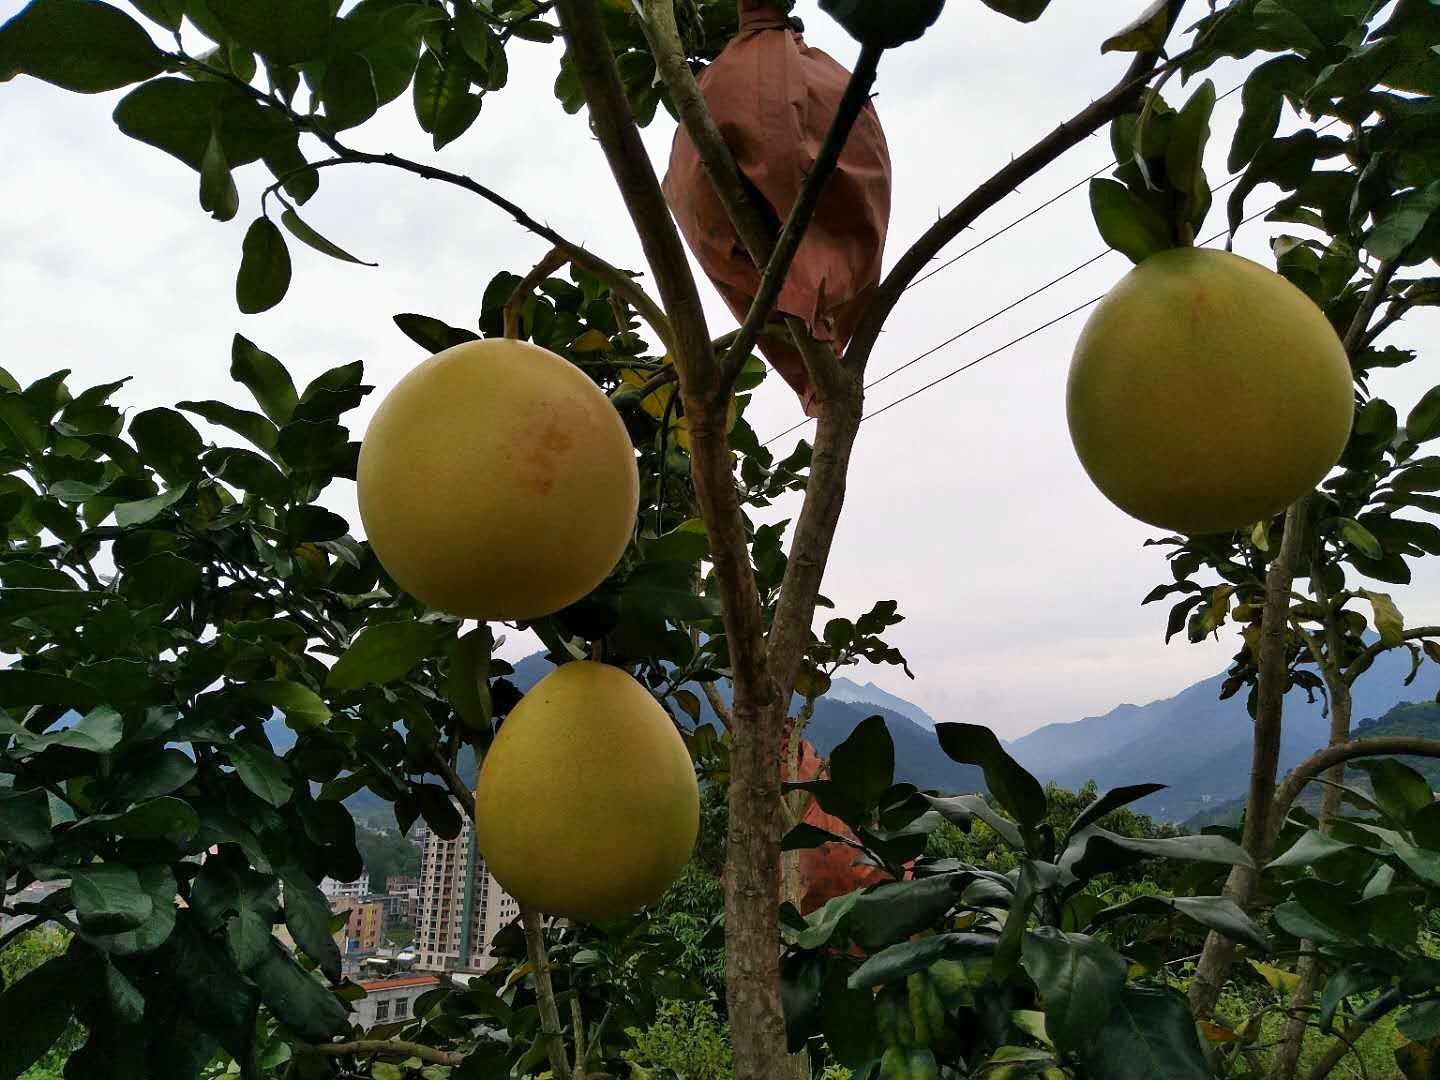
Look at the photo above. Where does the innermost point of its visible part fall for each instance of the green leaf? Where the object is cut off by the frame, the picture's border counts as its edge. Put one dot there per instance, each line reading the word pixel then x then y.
pixel 961 809
pixel 221 1003
pixel 432 334
pixel 168 443
pixel 1185 153
pixel 862 766
pixel 25 819
pixel 45 998
pixel 80 45
pixel 265 378
pixel 1402 222
pixel 349 93
pixel 299 1001
pixel 1146 33
pixel 666 590
pixel 308 236
pixel 1263 100
pixel 156 819
pixel 109 898
pixel 467 683
pixel 252 426
pixel 1388 619
pixel 822 924
pixel 180 115
pixel 307 917
pixel 1400 790
pixel 130 514
pixel 262 772
pixel 1149 1035
pixel 1313 847
pixel 1423 423
pixel 1126 222
pixel 904 959
pixel 1361 538
pixel 1013 788
pixel 1022 10
pixel 888 25
pixel 894 910
pixel 1421 1023
pixel 303 708
pixel 288 165
pixel 1097 851
pixel 444 105
pixel 1219 913
pixel 1295 919
pixel 1112 800
pixel 167 13
pixel 219 197
pixel 23 688
pixel 384 653
pixel 283 31
pixel 159 774
pixel 1079 979
pixel 97 732
pixel 264 273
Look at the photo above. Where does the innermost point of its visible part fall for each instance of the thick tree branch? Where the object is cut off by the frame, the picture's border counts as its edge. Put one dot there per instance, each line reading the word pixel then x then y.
pixel 1332 756
pixel 722 711
pixel 544 991
pixel 1344 1044
pixel 395 1048
pixel 1069 134
pixel 459 791
pixel 554 259
pixel 1355 336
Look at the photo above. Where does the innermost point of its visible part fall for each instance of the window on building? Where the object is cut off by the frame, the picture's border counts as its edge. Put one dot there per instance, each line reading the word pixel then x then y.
pixel 402 1008
pixel 382 1011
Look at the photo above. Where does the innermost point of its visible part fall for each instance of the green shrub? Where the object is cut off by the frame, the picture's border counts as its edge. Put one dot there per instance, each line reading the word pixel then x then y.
pixel 687 1041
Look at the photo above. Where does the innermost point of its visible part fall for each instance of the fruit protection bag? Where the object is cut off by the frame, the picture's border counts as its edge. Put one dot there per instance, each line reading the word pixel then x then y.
pixel 773 98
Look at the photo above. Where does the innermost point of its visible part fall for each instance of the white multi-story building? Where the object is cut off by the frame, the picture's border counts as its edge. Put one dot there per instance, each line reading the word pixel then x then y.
pixel 460 908
pixel 391 1000
pixel 337 890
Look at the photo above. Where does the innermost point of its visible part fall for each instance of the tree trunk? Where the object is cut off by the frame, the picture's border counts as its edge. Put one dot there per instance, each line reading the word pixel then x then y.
pixel 1219 951
pixel 752 886
pixel 1287 1061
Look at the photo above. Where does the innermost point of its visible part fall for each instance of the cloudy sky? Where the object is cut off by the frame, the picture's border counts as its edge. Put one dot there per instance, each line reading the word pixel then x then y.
pixel 1020 583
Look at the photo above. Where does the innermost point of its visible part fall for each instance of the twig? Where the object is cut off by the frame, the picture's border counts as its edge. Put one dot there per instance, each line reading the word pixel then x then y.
pixel 458 789
pixel 553 260
pixel 1357 666
pixel 391 1048
pixel 1065 137
pixel 544 991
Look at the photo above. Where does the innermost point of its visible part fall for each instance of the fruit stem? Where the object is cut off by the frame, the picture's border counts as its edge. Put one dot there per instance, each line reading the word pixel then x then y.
pixel 1185 234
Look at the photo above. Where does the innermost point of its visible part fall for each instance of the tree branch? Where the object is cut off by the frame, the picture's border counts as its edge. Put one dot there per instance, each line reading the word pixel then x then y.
pixel 458 789
pixel 554 259
pixel 390 1048
pixel 722 711
pixel 1357 666
pixel 1355 336
pixel 544 991
pixel 1332 756
pixel 1068 135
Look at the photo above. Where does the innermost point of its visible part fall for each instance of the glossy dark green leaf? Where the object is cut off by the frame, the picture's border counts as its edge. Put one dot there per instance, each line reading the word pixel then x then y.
pixel 1219 913
pixel 438 810
pixel 25 819
pixel 1423 423
pixel 1299 921
pixel 1185 153
pixel 45 997
pixel 1112 800
pixel 81 45
pixel 348 92
pixel 1402 222
pixel 288 165
pixel 167 13
pixel 265 377
pixel 158 774
pixel 250 472
pixel 862 766
pixel 221 1002
pixel 164 817
pixel 432 334
pixel 1420 1023
pixel 164 580
pixel 1313 847
pixel 904 959
pixel 1146 33
pixel 22 688
pixel 962 809
pixel 97 732
pixel 894 910
pixel 282 31
pixel 109 897
pixel 130 514
pixel 1149 1035
pixel 384 653
pixel 168 443
pixel 1361 538
pixel 1079 979
pixel 444 105
pixel 1096 851
pixel 179 115
pixel 307 917
pixel 1400 790
pixel 264 275
pixel 1023 10
pixel 252 426
pixel 262 772
pixel 308 236
pixel 1342 984
pixel 296 998
pixel 219 197
pixel 893 23
pixel 1019 793
pixel 1126 222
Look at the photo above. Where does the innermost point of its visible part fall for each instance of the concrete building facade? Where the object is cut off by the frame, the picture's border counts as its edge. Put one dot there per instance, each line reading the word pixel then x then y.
pixel 366 926
pixel 461 907
pixel 392 1000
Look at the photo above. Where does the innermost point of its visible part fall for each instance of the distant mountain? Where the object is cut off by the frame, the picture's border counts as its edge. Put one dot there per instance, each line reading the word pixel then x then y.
pixel 1197 744
pixel 843 689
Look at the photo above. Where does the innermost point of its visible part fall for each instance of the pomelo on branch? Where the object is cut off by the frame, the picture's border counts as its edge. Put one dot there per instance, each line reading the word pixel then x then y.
pixel 1207 393
pixel 586 805
pixel 496 481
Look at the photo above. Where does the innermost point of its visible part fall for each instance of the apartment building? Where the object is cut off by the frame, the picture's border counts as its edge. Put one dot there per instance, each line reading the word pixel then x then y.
pixel 367 923
pixel 338 890
pixel 391 1000
pixel 460 908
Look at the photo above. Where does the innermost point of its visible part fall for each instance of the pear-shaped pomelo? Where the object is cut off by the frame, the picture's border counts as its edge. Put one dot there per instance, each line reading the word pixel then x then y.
pixel 586 805
pixel 496 481
pixel 1207 393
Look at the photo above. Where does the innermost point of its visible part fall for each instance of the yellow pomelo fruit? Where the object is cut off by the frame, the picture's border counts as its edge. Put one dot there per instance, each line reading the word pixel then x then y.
pixel 1207 393
pixel 496 481
pixel 586 805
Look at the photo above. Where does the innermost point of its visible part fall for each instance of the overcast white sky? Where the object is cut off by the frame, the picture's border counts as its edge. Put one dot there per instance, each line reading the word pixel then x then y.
pixel 967 505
